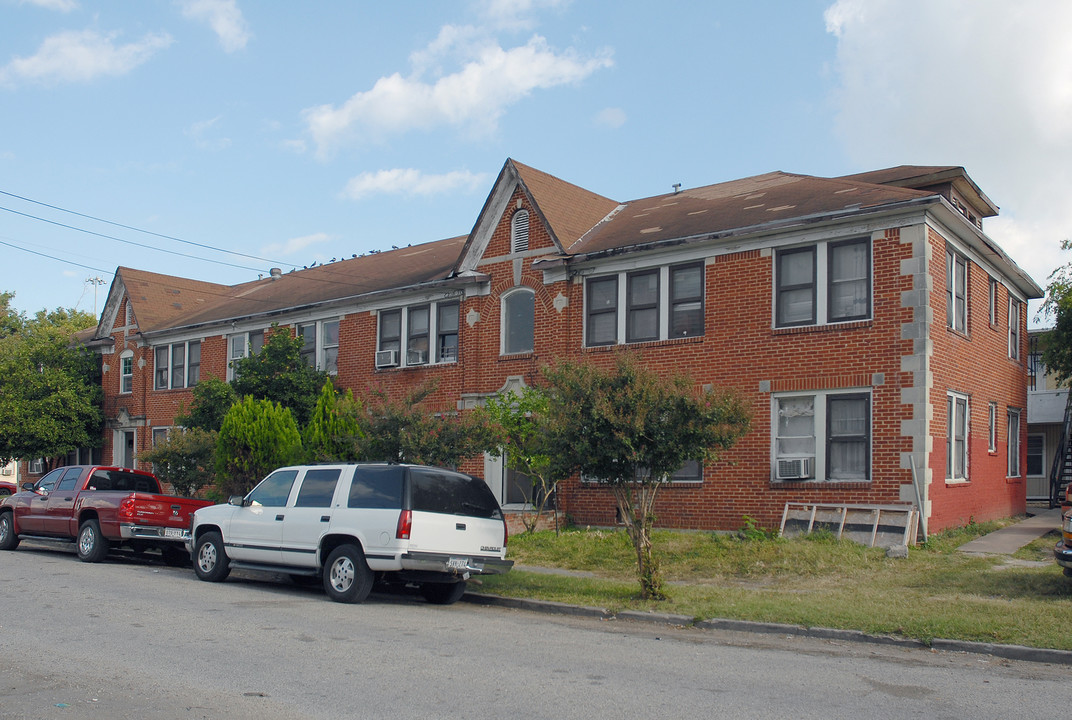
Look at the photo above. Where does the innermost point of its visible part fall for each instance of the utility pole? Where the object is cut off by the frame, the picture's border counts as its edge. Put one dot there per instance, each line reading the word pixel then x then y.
pixel 96 282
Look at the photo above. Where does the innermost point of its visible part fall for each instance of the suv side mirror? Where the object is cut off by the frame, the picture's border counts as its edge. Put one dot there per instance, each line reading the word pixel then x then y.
pixel 237 500
pixel 28 486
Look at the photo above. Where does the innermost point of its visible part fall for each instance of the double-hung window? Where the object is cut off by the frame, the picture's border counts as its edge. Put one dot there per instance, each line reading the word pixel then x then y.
pixel 645 305
pixel 992 302
pixel 126 372
pixel 829 282
pixel 241 345
pixel 957 424
pixel 992 427
pixel 1014 442
pixel 418 335
pixel 1014 328
pixel 956 282
pixel 177 365
pixel 1036 454
pixel 320 345
pixel 825 436
pixel 519 321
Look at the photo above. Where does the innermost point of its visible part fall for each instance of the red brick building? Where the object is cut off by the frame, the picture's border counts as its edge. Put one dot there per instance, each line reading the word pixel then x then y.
pixel 877 331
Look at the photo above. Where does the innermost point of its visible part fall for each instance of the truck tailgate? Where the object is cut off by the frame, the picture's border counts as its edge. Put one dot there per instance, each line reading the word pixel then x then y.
pixel 160 510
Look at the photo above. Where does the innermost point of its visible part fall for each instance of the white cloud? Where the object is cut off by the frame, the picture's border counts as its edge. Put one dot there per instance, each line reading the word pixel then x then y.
pixel 201 134
pixel 611 117
pixel 64 6
pixel 986 84
pixel 225 19
pixel 293 245
pixel 514 14
pixel 74 56
pixel 411 182
pixel 473 97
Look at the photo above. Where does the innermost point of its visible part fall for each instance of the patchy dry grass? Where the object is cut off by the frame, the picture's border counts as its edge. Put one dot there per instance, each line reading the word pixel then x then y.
pixel 814 581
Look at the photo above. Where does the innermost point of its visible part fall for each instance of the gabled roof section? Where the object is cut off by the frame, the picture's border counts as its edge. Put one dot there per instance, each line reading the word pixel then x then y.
pixel 931 177
pixel 566 210
pixel 158 301
pixel 772 199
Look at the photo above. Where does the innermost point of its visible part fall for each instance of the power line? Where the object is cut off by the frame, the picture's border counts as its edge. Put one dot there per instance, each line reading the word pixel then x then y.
pixel 146 232
pixel 53 257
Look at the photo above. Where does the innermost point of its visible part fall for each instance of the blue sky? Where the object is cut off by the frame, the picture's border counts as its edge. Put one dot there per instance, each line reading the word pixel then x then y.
pixel 293 133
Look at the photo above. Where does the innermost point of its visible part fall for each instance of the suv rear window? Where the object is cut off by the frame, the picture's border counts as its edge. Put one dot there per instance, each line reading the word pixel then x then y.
pixel 377 487
pixel 449 493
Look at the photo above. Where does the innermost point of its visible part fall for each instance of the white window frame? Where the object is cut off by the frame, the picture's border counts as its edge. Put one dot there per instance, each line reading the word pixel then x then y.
pixel 126 374
pixel 168 370
pixel 1015 451
pixel 434 357
pixel 505 316
pixel 821 283
pixel 1015 310
pixel 820 429
pixel 622 308
pixel 957 267
pixel 318 358
pixel 993 300
pixel 246 338
pixel 36 466
pixel 992 427
pixel 953 401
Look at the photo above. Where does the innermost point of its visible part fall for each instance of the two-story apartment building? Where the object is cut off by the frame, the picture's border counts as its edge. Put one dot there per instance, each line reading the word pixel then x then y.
pixel 878 333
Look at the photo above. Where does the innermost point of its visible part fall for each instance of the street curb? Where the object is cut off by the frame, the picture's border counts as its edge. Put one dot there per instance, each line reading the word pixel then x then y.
pixel 1009 652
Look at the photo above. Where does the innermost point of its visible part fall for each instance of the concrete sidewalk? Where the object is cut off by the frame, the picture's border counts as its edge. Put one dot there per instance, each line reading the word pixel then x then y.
pixel 1009 539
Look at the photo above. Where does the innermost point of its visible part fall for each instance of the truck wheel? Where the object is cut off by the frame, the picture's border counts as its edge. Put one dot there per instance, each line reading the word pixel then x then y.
pixel 9 540
pixel 210 560
pixel 443 593
pixel 91 546
pixel 347 578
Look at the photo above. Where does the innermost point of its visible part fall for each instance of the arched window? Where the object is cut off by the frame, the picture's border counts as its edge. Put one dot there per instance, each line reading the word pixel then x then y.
pixel 519 321
pixel 519 231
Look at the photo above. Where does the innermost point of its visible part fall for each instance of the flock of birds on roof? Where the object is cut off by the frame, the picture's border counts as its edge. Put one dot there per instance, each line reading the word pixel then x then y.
pixel 354 256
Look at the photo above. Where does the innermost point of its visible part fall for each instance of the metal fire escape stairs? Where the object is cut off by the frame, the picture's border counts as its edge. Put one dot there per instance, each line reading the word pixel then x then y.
pixel 1061 470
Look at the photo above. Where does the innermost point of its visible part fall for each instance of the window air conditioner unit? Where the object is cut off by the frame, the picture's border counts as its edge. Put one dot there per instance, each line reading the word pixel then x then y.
pixel 794 468
pixel 416 357
pixel 386 358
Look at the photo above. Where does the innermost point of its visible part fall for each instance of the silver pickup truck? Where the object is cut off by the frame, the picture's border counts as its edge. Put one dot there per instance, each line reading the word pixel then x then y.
pixel 352 524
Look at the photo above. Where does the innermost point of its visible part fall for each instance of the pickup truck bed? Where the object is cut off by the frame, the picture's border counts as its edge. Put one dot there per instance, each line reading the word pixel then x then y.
pixel 99 507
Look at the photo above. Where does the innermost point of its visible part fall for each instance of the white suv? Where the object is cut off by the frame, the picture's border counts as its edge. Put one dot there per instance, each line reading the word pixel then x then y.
pixel 350 524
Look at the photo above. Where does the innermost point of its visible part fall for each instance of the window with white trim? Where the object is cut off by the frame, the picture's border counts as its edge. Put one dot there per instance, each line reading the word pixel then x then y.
pixel 659 303
pixel 242 345
pixel 519 231
pixel 824 435
pixel 320 345
pixel 993 301
pixel 957 425
pixel 1014 328
pixel 518 321
pixel 418 326
pixel 1036 455
pixel 829 282
pixel 956 284
pixel 177 365
pixel 1014 442
pixel 992 427
pixel 126 372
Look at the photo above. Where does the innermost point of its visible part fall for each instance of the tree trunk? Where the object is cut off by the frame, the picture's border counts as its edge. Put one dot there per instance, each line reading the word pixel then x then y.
pixel 636 513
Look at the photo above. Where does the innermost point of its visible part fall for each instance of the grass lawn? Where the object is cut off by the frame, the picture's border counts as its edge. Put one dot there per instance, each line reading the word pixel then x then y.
pixel 813 581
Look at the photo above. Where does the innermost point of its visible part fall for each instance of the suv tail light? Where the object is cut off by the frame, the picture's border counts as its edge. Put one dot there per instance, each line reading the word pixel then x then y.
pixel 126 509
pixel 405 524
pixel 506 533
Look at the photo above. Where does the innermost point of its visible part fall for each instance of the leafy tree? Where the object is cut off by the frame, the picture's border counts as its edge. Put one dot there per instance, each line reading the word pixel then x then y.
pixel 632 429
pixel 333 432
pixel 186 459
pixel 212 399
pixel 279 373
pixel 1057 346
pixel 257 436
pixel 50 390
pixel 522 426
pixel 403 430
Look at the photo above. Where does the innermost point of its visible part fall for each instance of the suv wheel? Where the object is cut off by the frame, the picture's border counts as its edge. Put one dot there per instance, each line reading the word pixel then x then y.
pixel 9 540
pixel 443 593
pixel 210 561
pixel 91 546
pixel 347 577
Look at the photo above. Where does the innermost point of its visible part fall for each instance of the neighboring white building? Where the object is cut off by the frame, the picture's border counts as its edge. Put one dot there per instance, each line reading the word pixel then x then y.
pixel 10 472
pixel 1047 423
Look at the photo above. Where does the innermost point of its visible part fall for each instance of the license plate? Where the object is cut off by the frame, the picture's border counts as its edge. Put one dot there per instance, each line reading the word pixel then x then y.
pixel 176 533
pixel 458 563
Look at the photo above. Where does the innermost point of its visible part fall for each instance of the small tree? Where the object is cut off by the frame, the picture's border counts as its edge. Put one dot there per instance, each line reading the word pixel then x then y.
pixel 186 459
pixel 631 429
pixel 279 373
pixel 212 399
pixel 521 429
pixel 1057 347
pixel 333 432
pixel 257 437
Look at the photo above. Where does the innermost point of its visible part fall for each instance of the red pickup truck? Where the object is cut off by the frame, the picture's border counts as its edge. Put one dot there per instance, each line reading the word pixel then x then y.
pixel 99 507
